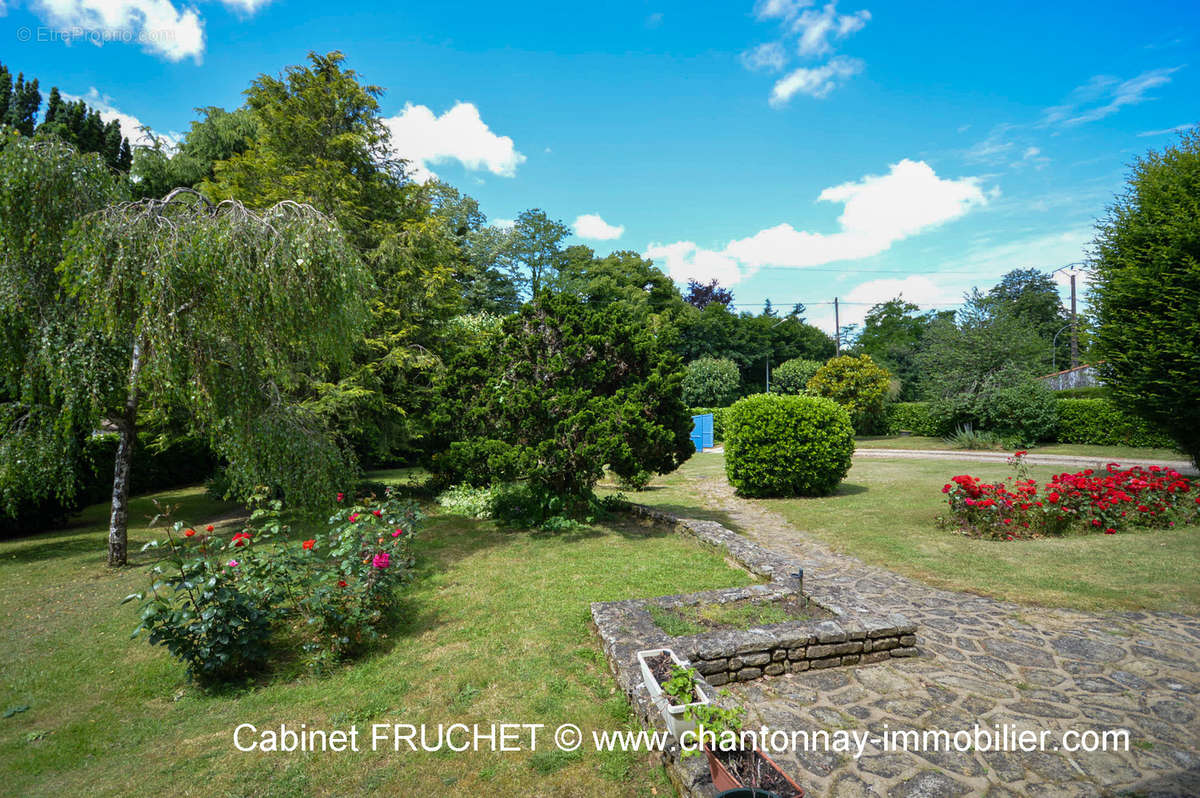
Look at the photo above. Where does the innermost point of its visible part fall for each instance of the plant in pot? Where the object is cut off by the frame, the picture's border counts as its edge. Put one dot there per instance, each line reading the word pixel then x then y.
pixel 737 770
pixel 673 687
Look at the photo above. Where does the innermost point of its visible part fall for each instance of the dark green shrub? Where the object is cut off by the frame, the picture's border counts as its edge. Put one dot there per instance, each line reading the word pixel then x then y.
pixel 792 376
pixel 1145 293
pixel 711 381
pixel 914 417
pixel 1090 392
pixel 787 445
pixel 1013 407
pixel 1021 412
pixel 858 384
pixel 1101 422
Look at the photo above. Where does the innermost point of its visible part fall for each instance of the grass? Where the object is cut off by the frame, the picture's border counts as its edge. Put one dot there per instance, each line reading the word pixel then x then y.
pixel 1072 449
pixel 885 513
pixel 496 629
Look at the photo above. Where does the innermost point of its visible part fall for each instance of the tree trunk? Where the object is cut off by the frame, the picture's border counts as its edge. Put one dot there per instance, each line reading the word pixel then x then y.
pixel 118 523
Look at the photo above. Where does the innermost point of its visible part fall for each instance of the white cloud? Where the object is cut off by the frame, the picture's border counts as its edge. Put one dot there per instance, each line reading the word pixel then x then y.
pixel 504 224
pixel 816 82
pixel 779 9
pixel 131 126
pixel 816 28
pixel 1105 95
pixel 768 56
pixel 457 135
pixel 685 261
pixel 810 31
pixel 247 6
pixel 878 211
pixel 1169 130
pixel 160 27
pixel 590 225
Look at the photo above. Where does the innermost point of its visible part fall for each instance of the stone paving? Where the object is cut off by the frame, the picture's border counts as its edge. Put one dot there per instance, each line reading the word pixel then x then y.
pixel 987 662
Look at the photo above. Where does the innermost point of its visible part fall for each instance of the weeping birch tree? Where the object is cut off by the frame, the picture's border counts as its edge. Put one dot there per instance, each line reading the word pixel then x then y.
pixel 219 312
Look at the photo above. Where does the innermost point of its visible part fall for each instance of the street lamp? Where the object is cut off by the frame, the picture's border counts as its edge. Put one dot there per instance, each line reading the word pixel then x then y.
pixel 1054 347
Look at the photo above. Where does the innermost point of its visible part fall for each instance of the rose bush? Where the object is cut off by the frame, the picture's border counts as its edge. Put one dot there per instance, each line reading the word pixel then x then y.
pixel 219 605
pixel 1109 501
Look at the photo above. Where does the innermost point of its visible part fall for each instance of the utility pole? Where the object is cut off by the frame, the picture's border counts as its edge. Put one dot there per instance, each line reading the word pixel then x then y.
pixel 837 327
pixel 1074 327
pixel 1074 317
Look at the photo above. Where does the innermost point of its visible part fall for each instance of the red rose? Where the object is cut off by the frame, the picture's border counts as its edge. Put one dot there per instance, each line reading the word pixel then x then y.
pixel 208 528
pixel 189 533
pixel 341 583
pixel 308 544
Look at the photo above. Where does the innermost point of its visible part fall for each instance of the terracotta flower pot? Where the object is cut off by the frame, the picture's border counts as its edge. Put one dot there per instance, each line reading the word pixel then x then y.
pixel 723 780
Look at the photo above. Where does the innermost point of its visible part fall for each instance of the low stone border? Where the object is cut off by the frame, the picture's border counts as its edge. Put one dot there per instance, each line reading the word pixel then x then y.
pixel 854 636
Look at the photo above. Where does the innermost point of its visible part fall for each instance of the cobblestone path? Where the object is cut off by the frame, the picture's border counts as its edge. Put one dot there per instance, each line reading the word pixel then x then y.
pixel 992 663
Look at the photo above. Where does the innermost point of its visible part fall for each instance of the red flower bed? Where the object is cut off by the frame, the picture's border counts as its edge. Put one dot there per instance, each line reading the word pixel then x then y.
pixel 1109 501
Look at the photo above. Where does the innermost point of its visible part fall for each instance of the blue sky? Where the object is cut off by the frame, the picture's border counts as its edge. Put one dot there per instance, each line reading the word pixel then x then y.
pixel 797 151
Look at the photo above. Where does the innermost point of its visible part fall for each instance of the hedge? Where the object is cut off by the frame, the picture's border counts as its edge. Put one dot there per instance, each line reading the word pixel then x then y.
pixel 1101 422
pixel 184 463
pixel 911 417
pixel 1092 421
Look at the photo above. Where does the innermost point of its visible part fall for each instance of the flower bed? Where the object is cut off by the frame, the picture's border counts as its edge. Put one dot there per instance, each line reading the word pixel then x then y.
pixel 1087 501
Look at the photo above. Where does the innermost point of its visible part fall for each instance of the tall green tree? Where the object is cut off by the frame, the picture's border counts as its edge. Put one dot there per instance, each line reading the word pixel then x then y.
pixel 1146 292
pixel 963 354
pixel 218 135
pixel 220 311
pixel 572 388
pixel 894 335
pixel 537 253
pixel 1031 296
pixel 46 186
pixel 320 139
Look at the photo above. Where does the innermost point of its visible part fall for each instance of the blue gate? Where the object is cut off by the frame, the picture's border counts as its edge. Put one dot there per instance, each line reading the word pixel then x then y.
pixel 702 431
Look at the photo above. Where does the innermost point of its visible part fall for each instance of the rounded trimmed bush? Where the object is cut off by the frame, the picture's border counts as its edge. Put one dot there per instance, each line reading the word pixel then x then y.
pixel 858 384
pixel 792 376
pixel 710 382
pixel 779 445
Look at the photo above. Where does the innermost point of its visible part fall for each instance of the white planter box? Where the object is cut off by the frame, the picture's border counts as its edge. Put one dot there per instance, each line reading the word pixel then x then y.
pixel 677 724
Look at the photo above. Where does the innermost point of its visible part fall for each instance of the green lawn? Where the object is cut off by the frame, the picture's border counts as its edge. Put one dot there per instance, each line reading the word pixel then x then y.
pixel 885 513
pixel 1074 449
pixel 497 630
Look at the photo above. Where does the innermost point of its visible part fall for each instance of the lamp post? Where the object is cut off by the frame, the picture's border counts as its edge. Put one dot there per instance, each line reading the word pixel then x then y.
pixel 1054 347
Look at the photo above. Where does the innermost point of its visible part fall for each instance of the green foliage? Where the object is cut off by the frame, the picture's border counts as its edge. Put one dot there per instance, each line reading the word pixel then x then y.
pixel 45 188
pixel 724 722
pixel 792 376
pixel 468 501
pixel 858 384
pixel 565 391
pixel 913 417
pixel 1009 404
pixel 894 335
pixel 1103 423
pixel 752 342
pixel 74 123
pixel 320 139
pixel 681 685
pixel 1145 292
pixel 787 445
pixel 225 309
pixel 958 358
pixel 1031 296
pixel 218 604
pixel 968 438
pixel 710 381
pixel 218 136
